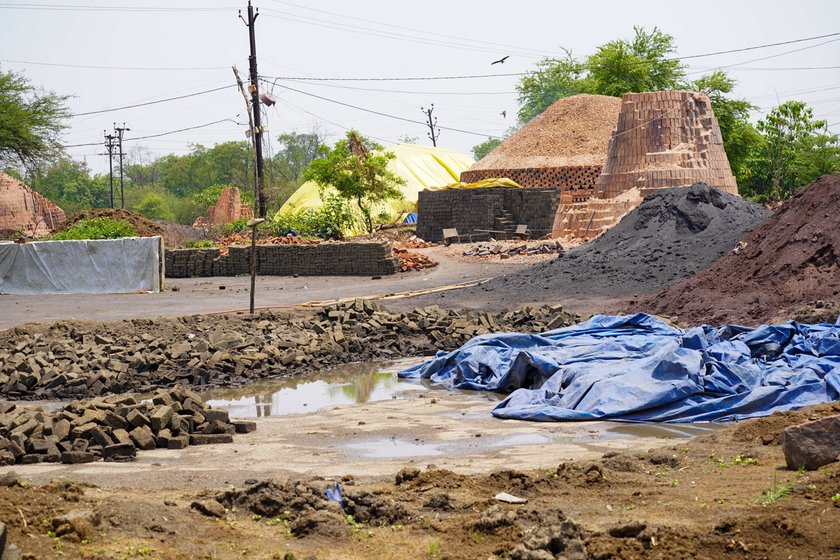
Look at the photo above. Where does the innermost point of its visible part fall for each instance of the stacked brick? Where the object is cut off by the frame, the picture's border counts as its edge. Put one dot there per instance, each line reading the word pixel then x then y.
pixel 324 259
pixel 22 209
pixel 227 209
pixel 469 210
pixel 663 139
pixel 576 183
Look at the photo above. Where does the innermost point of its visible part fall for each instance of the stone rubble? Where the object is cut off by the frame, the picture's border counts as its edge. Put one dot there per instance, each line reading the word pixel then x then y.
pixel 544 248
pixel 71 361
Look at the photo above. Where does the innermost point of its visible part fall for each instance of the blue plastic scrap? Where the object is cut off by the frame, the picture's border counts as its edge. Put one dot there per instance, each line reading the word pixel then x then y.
pixel 334 493
pixel 637 368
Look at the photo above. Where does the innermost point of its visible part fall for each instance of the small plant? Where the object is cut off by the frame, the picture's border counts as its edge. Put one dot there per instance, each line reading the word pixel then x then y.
pixel 776 492
pixel 434 548
pixel 354 525
pixel 835 498
pixel 97 228
pixel 199 244
pixel 237 226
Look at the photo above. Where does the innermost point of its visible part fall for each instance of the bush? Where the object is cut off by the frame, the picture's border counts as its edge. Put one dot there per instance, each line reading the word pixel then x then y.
pixel 327 222
pixel 199 244
pixel 236 226
pixel 97 228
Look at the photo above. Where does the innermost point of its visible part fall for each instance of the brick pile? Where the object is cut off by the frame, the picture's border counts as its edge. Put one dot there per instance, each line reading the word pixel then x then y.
pixel 85 360
pixel 663 139
pixel 322 259
pixel 227 209
pixel 24 210
pixel 112 428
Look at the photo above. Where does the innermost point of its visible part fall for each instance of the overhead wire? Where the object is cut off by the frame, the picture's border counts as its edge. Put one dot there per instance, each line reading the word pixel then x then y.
pixel 185 96
pixel 158 135
pixel 99 67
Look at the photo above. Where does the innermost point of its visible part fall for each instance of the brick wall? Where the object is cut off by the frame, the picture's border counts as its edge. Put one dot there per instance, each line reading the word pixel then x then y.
pixel 472 209
pixel 324 259
pixel 578 182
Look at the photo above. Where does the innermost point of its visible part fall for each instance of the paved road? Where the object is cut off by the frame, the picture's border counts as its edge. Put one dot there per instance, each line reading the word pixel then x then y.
pixel 204 295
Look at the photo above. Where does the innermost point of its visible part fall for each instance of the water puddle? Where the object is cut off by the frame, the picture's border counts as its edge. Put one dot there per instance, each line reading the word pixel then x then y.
pixel 357 383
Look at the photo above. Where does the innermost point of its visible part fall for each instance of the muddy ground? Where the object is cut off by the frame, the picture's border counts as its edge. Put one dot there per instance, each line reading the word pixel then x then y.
pixel 725 495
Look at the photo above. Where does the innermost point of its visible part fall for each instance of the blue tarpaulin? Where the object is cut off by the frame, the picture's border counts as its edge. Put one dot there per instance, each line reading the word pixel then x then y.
pixel 637 368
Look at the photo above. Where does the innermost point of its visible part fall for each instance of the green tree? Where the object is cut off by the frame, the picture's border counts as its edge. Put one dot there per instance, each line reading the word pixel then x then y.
pixel 31 121
pixel 741 140
pixel 797 150
pixel 154 207
pixel 481 150
pixel 636 65
pixel 358 170
pixel 69 184
pixel 553 79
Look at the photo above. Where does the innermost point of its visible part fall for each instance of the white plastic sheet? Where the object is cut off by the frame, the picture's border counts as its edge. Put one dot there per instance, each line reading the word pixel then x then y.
pixel 131 264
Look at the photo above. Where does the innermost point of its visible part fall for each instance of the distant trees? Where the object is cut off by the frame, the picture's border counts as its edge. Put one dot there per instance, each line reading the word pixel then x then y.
pixel 30 122
pixel 481 150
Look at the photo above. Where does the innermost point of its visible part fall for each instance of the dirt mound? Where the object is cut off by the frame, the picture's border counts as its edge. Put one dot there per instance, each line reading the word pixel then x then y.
pixel 671 235
pixel 141 224
pixel 790 260
pixel 573 131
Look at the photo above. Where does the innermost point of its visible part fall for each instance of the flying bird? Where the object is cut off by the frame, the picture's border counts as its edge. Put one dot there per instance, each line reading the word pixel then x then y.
pixel 504 114
pixel 500 61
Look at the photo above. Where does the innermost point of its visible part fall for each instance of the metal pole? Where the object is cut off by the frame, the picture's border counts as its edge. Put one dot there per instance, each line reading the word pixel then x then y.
pixel 109 143
pixel 120 131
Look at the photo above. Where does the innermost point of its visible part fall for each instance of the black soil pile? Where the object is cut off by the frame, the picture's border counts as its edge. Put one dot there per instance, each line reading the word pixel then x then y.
pixel 141 224
pixel 790 262
pixel 671 235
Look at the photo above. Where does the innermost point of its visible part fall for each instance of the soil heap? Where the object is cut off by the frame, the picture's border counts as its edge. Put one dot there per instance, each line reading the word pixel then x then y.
pixel 141 224
pixel 791 260
pixel 671 235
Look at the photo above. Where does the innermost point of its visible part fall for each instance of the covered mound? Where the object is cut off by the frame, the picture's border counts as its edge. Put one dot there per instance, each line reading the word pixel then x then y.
pixel 671 235
pixel 141 224
pixel 573 131
pixel 791 260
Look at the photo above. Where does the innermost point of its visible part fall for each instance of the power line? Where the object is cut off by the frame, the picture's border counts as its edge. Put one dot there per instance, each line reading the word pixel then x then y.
pixel 85 8
pixel 400 79
pixel 386 114
pixel 814 38
pixel 167 133
pixel 289 103
pixel 416 92
pixel 97 67
pixel 154 102
pixel 773 55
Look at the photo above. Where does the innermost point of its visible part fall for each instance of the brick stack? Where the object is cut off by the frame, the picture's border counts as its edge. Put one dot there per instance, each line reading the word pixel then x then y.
pixel 22 209
pixel 227 209
pixel 324 259
pixel 577 183
pixel 664 139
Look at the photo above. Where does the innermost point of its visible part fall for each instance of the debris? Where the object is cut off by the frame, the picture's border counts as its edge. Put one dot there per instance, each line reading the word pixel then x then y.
pixel 510 498
pixel 812 444
pixel 210 508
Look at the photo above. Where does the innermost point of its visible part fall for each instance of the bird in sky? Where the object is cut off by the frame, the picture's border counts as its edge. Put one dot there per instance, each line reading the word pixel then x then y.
pixel 500 61
pixel 504 114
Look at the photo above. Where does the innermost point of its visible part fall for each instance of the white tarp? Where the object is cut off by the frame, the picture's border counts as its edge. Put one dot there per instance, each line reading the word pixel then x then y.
pixel 131 264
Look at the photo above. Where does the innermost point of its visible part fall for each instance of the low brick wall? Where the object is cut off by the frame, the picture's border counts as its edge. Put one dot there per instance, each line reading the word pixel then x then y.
pixel 472 209
pixel 324 259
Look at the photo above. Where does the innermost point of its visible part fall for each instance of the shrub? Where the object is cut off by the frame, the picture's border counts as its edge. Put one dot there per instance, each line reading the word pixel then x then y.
pixel 327 222
pixel 97 228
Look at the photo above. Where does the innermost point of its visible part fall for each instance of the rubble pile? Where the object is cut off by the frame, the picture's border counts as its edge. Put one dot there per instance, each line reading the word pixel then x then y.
pixel 410 260
pixel 544 248
pixel 112 428
pixel 243 239
pixel 74 360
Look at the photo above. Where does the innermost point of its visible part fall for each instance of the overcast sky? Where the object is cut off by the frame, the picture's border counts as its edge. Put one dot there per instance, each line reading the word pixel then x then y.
pixel 173 48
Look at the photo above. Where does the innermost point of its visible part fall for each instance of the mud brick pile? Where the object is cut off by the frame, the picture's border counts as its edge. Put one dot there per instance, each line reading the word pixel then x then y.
pixel 469 210
pixel 112 428
pixel 567 178
pixel 83 360
pixel 322 259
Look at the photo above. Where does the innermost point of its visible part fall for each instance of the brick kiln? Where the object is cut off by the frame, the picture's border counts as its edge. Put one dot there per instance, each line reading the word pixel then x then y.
pixel 24 210
pixel 663 139
pixel 227 209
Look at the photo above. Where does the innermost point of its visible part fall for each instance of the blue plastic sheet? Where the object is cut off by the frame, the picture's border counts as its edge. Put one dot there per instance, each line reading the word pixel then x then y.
pixel 637 368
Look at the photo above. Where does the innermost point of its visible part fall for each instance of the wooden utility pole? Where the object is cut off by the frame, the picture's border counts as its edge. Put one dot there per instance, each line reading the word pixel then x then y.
pixel 109 144
pixel 120 130
pixel 255 104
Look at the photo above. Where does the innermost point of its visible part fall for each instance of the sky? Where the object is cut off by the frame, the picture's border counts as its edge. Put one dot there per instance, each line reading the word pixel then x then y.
pixel 112 53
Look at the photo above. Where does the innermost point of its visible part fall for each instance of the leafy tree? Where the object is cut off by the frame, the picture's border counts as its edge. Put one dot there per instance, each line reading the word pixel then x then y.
pixel 640 64
pixel 30 121
pixel 155 208
pixel 69 184
pixel 358 170
pixel 481 150
pixel 741 140
pixel 296 151
pixel 798 149
pixel 553 79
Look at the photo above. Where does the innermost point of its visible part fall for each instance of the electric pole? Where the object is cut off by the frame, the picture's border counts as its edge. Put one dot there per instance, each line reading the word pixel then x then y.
pixel 109 143
pixel 255 104
pixel 434 131
pixel 120 130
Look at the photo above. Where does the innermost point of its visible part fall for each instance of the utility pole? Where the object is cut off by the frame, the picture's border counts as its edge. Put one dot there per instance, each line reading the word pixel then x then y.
pixel 120 130
pixel 434 131
pixel 255 105
pixel 109 143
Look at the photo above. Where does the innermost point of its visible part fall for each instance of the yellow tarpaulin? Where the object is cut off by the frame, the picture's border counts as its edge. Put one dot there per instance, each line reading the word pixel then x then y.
pixel 483 184
pixel 420 166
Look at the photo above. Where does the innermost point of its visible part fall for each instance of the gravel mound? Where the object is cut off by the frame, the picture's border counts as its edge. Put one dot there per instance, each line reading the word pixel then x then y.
pixel 671 235
pixel 791 260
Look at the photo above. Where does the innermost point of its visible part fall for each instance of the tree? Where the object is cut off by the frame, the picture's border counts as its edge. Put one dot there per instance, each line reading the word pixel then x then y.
pixel 31 121
pixel 154 207
pixel 358 170
pixel 296 151
pixel 637 65
pixel 69 184
pixel 553 79
pixel 740 138
pixel 795 149
pixel 481 150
